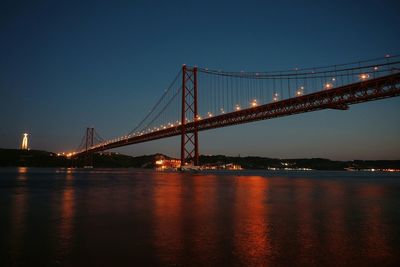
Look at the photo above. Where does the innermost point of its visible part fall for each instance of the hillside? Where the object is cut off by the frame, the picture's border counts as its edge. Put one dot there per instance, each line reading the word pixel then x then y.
pixel 38 158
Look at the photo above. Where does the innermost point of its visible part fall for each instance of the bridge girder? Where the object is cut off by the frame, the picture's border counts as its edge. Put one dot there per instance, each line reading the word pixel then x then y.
pixel 336 98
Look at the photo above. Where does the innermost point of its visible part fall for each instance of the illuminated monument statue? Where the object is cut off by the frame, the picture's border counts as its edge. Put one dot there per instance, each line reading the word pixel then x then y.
pixel 25 141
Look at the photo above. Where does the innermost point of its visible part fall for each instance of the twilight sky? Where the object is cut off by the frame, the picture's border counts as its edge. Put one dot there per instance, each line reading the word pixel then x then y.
pixel 66 65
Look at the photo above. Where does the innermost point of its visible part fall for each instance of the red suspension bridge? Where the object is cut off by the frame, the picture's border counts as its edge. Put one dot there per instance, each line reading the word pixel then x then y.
pixel 199 99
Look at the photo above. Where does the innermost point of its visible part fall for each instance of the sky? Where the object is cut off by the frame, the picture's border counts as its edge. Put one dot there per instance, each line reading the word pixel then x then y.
pixel 67 65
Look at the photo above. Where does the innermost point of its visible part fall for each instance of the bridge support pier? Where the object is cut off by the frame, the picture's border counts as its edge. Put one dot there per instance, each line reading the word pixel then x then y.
pixel 189 140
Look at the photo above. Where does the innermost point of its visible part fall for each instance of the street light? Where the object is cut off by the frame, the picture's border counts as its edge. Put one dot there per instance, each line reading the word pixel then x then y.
pixel 364 76
pixel 275 97
pixel 300 91
pixel 328 86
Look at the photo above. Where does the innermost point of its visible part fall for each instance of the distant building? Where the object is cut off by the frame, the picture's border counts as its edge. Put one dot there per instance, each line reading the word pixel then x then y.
pixel 221 166
pixel 24 144
pixel 231 166
pixel 163 163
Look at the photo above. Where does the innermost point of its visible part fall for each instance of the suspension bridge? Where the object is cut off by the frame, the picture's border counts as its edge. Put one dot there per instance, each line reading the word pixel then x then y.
pixel 200 99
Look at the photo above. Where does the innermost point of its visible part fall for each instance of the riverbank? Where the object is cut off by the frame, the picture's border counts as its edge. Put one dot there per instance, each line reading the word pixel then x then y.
pixel 38 158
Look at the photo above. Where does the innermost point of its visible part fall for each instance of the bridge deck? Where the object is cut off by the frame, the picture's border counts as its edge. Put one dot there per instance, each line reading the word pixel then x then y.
pixel 336 98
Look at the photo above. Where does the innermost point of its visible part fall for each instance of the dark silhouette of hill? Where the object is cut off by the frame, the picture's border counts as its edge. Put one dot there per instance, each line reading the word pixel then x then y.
pixel 38 158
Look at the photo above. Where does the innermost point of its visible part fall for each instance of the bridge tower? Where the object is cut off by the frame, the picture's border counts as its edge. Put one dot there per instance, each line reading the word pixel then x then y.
pixel 189 139
pixel 89 136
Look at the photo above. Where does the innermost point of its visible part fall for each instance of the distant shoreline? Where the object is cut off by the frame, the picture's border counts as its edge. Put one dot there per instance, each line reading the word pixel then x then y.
pixel 219 171
pixel 44 159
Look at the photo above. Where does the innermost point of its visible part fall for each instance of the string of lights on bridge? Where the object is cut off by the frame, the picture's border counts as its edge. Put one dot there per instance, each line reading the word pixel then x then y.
pixel 221 92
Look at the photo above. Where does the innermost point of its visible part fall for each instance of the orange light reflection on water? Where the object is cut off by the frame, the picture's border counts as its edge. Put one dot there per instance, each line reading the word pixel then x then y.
pixel 67 211
pixel 374 229
pixel 336 234
pixel 204 216
pixel 306 235
pixel 19 213
pixel 252 240
pixel 22 171
pixel 168 236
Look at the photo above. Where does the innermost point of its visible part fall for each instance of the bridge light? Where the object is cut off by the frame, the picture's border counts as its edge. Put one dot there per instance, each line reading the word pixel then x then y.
pixel 328 85
pixel 300 91
pixel 254 103
pixel 237 107
pixel 333 79
pixel 222 110
pixel 376 68
pixel 275 97
pixel 364 76
pixel 209 114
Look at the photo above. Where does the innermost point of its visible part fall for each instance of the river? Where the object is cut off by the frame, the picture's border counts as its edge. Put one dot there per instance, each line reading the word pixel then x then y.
pixel 134 217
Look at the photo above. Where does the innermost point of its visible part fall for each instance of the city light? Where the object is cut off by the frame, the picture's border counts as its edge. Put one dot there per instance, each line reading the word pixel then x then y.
pixel 275 97
pixel 70 154
pixel 364 76
pixel 328 85
pixel 300 91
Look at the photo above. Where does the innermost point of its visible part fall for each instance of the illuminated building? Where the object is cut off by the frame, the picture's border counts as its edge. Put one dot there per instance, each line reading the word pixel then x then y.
pixel 221 166
pixel 167 164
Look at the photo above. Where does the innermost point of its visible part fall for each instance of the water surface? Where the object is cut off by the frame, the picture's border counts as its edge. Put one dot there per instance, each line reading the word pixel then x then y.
pixel 108 217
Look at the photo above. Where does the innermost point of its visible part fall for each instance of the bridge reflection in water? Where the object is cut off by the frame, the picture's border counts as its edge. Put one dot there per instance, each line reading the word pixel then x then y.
pixel 109 217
